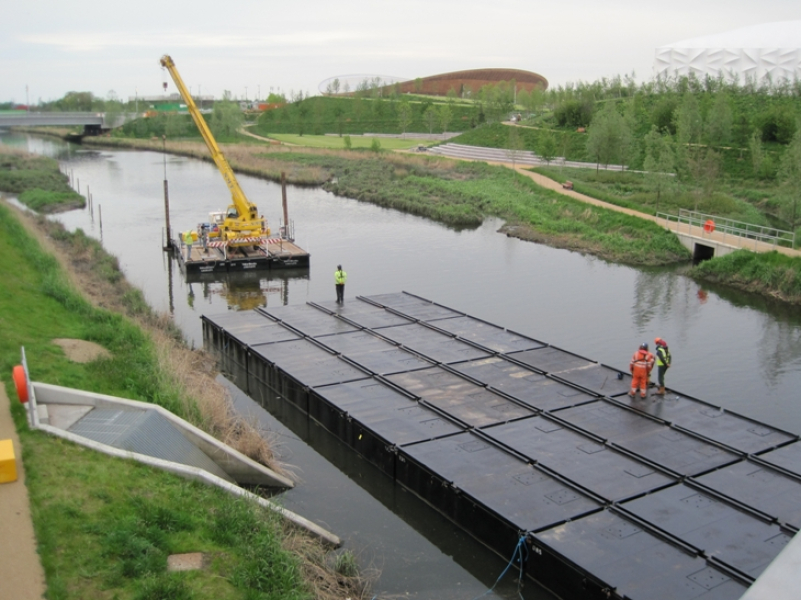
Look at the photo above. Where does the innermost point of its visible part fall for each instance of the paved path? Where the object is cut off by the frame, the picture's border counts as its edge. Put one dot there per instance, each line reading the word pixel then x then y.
pixel 21 573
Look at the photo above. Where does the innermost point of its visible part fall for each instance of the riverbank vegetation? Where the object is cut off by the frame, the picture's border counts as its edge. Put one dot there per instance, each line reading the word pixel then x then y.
pixel 36 181
pixel 105 526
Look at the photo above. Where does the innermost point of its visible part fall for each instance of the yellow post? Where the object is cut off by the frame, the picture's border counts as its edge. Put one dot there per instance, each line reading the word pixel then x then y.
pixel 8 464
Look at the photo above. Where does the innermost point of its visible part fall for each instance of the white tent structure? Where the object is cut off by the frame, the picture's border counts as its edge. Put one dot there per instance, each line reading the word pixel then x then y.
pixel 756 53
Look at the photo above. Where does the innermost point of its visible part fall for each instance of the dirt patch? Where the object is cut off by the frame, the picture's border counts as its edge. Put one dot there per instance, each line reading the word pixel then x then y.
pixel 81 351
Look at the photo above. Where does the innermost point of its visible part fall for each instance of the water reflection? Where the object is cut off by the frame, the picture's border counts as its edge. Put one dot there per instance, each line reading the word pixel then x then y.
pixel 241 290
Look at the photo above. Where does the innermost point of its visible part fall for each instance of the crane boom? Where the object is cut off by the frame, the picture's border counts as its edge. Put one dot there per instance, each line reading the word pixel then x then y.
pixel 247 222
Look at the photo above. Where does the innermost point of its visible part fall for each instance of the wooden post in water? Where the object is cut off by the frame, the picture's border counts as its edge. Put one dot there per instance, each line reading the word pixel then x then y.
pixel 283 200
pixel 166 194
pixel 100 217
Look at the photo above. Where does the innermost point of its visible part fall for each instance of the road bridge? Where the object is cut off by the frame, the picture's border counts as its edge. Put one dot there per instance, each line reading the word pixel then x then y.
pixel 93 122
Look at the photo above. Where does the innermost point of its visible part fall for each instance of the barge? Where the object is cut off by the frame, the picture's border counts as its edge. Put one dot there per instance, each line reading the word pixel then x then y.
pixel 221 257
pixel 530 448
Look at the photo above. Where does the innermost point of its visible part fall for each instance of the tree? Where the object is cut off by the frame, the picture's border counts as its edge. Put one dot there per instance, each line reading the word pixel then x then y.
pixel 445 116
pixel 430 116
pixel 757 153
pixel 609 136
pixel 375 145
pixel 226 117
pixel 547 145
pixel 790 177
pixel 719 121
pixel 514 145
pixel 659 163
pixel 112 109
pixel 704 167
pixel 404 114
pixel 346 141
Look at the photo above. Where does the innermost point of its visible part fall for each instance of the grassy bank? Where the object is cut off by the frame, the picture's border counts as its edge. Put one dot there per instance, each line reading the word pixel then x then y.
pixel 36 181
pixel 105 525
pixel 771 274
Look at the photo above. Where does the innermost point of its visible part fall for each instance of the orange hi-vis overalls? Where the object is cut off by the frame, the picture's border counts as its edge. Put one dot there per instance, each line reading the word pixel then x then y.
pixel 640 366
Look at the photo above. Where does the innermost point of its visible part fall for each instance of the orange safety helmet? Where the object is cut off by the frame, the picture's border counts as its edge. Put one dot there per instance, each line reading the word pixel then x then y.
pixel 660 342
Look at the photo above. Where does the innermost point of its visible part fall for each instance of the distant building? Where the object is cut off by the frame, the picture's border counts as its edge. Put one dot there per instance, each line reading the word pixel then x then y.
pixel 759 52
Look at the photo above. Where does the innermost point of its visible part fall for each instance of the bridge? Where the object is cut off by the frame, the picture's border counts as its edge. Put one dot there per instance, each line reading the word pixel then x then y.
pixel 93 122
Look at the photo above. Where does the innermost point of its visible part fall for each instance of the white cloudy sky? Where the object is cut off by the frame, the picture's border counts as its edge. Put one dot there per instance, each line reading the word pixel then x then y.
pixel 53 47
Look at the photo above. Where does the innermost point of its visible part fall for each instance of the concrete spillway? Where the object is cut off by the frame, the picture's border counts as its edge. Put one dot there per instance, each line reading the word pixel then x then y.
pixel 526 445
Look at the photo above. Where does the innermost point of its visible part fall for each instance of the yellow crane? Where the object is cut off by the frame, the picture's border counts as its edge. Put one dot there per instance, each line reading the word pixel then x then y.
pixel 241 224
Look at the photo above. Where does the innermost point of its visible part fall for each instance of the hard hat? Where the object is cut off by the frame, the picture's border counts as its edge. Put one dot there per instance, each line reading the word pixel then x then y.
pixel 644 346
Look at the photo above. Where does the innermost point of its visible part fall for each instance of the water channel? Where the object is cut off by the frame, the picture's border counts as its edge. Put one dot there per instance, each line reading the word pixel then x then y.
pixel 730 349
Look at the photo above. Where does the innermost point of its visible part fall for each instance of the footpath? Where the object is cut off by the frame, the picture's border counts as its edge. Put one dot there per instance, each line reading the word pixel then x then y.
pixel 21 573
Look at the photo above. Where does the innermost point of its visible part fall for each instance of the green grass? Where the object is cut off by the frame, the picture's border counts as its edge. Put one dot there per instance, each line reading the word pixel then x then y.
pixel 37 181
pixel 769 273
pixel 357 141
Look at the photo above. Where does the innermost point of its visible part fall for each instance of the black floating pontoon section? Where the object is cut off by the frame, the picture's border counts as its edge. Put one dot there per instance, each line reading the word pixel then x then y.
pixel 715 423
pixel 523 384
pixel 588 463
pixel 788 458
pixel 764 489
pixel 486 335
pixel 519 442
pixel 431 343
pixel 654 440
pixel 363 314
pixel 308 320
pixel 492 493
pixel 732 536
pixel 374 353
pixel 463 400
pixel 605 555
pixel 373 419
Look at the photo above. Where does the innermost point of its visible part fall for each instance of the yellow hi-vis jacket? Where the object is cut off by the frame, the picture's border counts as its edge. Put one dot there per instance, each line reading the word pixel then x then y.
pixel 340 276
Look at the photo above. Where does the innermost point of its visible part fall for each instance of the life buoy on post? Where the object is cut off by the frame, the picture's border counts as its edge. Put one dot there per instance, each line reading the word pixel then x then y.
pixel 21 383
pixel 709 226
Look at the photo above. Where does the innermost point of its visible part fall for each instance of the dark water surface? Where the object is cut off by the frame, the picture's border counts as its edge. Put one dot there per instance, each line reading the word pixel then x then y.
pixel 730 349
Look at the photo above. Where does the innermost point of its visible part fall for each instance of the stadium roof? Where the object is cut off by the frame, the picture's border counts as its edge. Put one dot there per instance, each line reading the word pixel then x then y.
pixel 783 34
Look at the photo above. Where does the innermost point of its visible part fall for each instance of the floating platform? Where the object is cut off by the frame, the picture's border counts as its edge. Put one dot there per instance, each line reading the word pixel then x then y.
pixel 274 253
pixel 520 442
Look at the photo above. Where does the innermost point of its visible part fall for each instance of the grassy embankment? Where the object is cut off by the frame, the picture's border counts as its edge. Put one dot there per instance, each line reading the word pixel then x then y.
pixel 36 181
pixel 105 526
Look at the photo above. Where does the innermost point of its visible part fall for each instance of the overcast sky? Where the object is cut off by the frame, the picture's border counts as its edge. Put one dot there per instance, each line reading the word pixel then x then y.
pixel 249 46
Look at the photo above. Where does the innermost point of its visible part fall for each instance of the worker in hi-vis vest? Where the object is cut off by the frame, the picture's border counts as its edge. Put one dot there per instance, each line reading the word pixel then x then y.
pixel 339 282
pixel 662 363
pixel 188 241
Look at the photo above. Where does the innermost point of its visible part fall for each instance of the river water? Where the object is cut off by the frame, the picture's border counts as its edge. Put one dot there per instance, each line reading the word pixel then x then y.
pixel 729 348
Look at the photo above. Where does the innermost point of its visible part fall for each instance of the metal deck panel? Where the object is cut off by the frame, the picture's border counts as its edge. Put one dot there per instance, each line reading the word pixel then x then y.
pixel 144 432
pixel 762 488
pixel 715 528
pixel 787 457
pixel 527 386
pixel 233 321
pixel 594 466
pixel 715 423
pixel 374 353
pixel 432 344
pixel 486 335
pixel 310 321
pixel 522 495
pixel 551 360
pixel 307 363
pixel 634 562
pixel 598 379
pixel 267 333
pixel 414 307
pixel 458 397
pixel 394 417
pixel 364 314
pixel 655 441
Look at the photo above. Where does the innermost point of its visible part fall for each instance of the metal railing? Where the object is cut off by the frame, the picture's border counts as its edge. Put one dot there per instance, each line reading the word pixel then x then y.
pixel 728 227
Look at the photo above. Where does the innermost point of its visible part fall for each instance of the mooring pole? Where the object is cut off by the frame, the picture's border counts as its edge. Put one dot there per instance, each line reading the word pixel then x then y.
pixel 283 200
pixel 166 195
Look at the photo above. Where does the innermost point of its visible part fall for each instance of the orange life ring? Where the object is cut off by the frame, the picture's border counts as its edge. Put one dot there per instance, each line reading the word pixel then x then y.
pixel 21 383
pixel 709 226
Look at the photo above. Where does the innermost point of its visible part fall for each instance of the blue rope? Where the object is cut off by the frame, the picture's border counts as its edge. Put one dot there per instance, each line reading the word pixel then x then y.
pixel 517 554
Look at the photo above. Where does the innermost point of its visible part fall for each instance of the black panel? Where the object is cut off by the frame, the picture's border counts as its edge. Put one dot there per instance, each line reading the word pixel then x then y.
pixel 486 335
pixel 432 344
pixel 374 353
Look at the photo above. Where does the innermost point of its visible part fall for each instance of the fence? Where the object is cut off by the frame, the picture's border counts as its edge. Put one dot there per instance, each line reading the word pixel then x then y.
pixel 729 227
